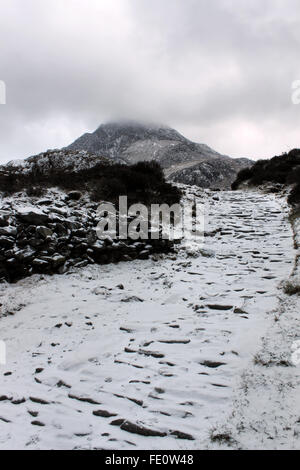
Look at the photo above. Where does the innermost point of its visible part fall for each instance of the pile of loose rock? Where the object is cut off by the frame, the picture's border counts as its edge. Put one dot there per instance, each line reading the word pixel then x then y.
pixel 53 234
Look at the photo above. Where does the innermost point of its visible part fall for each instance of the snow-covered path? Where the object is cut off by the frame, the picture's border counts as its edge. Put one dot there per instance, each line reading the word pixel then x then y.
pixel 147 354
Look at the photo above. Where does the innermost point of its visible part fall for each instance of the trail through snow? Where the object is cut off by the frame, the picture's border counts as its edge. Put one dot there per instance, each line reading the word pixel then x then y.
pixel 147 354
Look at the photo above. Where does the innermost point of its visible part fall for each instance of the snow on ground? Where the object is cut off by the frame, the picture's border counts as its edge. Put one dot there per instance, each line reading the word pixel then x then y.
pixel 266 410
pixel 149 354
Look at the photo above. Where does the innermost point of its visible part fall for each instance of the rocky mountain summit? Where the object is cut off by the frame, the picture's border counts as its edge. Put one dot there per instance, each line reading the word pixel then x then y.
pixel 184 161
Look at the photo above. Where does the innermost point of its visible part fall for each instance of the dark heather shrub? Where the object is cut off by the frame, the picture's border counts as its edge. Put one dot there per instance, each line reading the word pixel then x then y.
pixel 283 169
pixel 294 196
pixel 35 191
pixel 142 182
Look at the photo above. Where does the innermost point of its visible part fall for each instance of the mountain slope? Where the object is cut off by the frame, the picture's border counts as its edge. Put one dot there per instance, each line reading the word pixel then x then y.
pixel 132 142
pixel 183 161
pixel 217 172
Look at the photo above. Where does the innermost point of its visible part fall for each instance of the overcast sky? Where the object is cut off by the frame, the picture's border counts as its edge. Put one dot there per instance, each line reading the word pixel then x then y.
pixel 219 71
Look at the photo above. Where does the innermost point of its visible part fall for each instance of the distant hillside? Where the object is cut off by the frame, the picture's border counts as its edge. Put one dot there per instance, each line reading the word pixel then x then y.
pixel 210 173
pixel 283 170
pixel 184 161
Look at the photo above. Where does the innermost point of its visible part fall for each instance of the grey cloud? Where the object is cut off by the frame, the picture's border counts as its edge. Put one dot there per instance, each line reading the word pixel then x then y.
pixel 219 72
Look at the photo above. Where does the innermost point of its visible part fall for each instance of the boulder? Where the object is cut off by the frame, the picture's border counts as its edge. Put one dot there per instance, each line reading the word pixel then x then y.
pixel 60 229
pixel 45 202
pixel 74 195
pixel 73 225
pixel 144 254
pixel 40 263
pixel 31 215
pixel 25 255
pixel 6 242
pixel 8 231
pixel 58 260
pixel 4 216
pixel 44 232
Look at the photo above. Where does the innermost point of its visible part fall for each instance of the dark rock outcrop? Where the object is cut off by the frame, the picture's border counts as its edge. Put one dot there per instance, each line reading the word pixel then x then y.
pixel 55 237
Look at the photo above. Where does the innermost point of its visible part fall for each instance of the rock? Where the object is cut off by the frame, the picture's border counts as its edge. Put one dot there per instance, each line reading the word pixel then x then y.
pixel 58 260
pixel 117 422
pixel 18 401
pixel 155 354
pixel 5 398
pixel 74 195
pixel 133 298
pixel 141 430
pixel 240 311
pixel 92 237
pixel 25 255
pixel 40 263
pixel 99 246
pixel 91 401
pixel 35 242
pixel 4 217
pixel 38 423
pixel 81 233
pixel 219 307
pixel 174 341
pixel 8 231
pixel 6 242
pixel 44 202
pixel 11 262
pixel 182 435
pixel 104 414
pixel 144 254
pixel 56 218
pixel 60 229
pixel 60 211
pixel 81 264
pixel 61 383
pixel 32 215
pixel 44 231
pixel 73 225
pixel 53 239
pixel 213 364
pixel 40 401
pixel 207 253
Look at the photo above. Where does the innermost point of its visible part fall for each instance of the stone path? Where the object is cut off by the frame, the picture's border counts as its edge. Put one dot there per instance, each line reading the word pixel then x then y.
pixel 145 354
